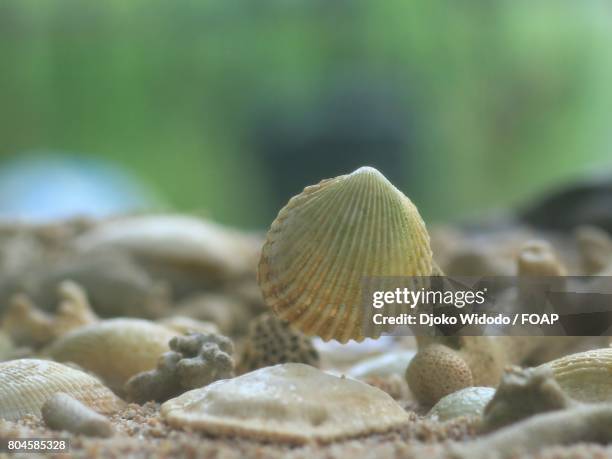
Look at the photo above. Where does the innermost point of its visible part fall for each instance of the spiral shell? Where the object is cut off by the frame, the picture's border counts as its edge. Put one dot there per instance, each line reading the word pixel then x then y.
pixel 585 376
pixel 114 349
pixel 330 237
pixel 26 384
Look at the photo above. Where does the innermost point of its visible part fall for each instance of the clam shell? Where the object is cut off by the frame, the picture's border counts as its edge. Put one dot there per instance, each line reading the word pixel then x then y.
pixel 585 376
pixel 114 349
pixel 26 384
pixel 330 237
pixel 291 402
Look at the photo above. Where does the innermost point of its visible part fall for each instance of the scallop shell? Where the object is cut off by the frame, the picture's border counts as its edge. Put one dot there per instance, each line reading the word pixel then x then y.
pixel 330 237
pixel 291 402
pixel 114 349
pixel 585 376
pixel 26 384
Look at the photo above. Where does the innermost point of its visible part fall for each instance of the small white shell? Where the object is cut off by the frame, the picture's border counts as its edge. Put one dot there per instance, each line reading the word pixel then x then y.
pixel 114 349
pixel 63 412
pixel 470 401
pixel 330 237
pixel 26 384
pixel 290 402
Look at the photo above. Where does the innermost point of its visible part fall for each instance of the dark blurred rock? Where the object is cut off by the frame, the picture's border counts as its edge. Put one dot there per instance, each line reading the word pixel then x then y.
pixel 588 202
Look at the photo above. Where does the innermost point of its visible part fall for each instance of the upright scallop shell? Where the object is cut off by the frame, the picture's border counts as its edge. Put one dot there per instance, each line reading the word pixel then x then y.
pixel 327 240
pixel 26 384
pixel 114 349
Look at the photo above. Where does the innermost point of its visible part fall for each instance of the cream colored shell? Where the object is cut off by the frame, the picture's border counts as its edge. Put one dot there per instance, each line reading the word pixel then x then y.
pixel 114 349
pixel 291 402
pixel 327 239
pixel 181 240
pixel 470 401
pixel 26 384
pixel 585 376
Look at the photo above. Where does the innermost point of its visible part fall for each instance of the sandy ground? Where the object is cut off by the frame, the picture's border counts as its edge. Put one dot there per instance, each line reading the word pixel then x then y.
pixel 140 433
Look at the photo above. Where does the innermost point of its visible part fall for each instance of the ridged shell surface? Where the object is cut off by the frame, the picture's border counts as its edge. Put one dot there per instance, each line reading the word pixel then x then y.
pixel 330 237
pixel 585 376
pixel 26 384
pixel 114 349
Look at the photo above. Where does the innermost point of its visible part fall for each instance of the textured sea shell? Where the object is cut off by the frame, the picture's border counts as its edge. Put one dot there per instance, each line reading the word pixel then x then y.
pixel 290 402
pixel 114 349
pixel 465 402
pixel 327 239
pixel 26 384
pixel 585 376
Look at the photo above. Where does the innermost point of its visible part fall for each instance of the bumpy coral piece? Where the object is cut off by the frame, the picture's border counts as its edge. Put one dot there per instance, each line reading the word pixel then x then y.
pixel 292 403
pixel 330 237
pixel 63 412
pixel 470 401
pixel 582 424
pixel 29 325
pixel 194 361
pixel 26 384
pixel 523 393
pixel 272 341
pixel 114 349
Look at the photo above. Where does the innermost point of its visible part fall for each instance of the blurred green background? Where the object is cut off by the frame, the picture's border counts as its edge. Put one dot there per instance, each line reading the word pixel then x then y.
pixel 229 108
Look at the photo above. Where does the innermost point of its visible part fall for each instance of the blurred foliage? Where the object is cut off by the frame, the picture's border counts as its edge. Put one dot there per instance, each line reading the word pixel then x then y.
pixel 499 99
